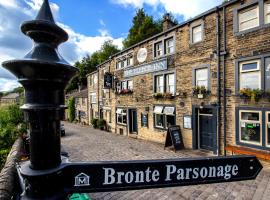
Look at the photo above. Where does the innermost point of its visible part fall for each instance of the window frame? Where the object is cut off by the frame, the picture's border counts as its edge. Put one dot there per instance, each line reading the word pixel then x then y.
pixel 91 98
pixel 208 67
pixel 166 46
pixel 251 121
pixel 164 74
pixel 164 116
pixel 163 46
pixel 122 114
pixel 258 69
pixel 264 12
pixel 266 128
pixel 263 74
pixel 124 61
pixel 119 87
pixel 191 28
pixel 262 24
pixel 245 10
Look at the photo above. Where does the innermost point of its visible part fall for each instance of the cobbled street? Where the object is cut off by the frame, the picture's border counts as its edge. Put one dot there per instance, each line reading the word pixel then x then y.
pixel 87 144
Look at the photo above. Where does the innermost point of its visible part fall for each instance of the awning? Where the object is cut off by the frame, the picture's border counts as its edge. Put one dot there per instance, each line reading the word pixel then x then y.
pixel 119 111
pixel 158 109
pixel 169 110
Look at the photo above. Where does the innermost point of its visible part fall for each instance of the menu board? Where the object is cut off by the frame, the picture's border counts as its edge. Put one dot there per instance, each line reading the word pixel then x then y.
pixel 174 138
pixel 144 120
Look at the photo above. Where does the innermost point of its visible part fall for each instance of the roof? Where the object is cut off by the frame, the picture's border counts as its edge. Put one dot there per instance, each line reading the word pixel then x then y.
pixel 11 96
pixel 223 5
pixel 81 94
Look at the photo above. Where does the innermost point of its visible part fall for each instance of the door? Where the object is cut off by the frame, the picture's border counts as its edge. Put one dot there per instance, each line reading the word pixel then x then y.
pixel 133 124
pixel 207 132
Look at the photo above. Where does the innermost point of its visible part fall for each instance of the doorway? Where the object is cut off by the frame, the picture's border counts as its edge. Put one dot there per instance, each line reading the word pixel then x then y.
pixel 133 123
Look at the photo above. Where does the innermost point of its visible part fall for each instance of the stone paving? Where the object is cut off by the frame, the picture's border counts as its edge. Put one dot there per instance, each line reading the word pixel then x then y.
pixel 87 144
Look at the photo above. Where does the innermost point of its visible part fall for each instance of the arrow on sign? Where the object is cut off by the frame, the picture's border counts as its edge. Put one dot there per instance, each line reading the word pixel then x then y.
pixel 130 175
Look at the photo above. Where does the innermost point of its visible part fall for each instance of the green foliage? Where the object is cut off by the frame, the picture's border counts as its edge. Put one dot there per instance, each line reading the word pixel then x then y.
pixel 94 122
pixel 71 109
pixel 88 64
pixel 101 124
pixel 11 126
pixel 143 27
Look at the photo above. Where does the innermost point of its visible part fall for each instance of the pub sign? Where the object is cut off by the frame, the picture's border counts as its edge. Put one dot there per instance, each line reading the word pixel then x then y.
pixel 108 80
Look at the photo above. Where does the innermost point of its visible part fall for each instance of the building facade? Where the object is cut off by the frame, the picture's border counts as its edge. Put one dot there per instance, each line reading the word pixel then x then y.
pixel 10 99
pixel 210 75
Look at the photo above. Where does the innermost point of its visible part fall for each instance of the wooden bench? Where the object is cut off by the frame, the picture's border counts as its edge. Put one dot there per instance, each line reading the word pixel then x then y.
pixel 265 155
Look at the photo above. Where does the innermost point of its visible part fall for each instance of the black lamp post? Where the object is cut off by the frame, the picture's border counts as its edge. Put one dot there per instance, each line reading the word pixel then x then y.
pixel 44 75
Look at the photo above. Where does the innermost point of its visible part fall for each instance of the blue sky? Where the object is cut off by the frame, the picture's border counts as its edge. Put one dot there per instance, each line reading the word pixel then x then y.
pixel 88 22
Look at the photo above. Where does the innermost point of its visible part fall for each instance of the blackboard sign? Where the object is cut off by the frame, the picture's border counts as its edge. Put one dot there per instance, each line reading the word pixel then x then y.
pixel 144 120
pixel 174 138
pixel 108 80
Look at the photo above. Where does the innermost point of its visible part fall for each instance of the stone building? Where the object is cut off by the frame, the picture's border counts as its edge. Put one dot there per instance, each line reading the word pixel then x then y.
pixel 210 75
pixel 10 99
pixel 81 106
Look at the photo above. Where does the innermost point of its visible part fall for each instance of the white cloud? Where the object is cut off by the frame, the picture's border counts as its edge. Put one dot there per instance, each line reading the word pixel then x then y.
pixel 102 23
pixel 15 45
pixel 186 8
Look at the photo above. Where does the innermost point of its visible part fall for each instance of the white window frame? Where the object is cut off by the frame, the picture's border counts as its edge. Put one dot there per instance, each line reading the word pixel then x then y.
pixel 167 85
pixel 207 78
pixel 158 52
pixel 250 121
pixel 93 96
pixel 258 69
pixel 167 46
pixel 247 10
pixel 266 15
pixel 121 114
pixel 267 121
pixel 164 84
pixel 164 117
pixel 201 33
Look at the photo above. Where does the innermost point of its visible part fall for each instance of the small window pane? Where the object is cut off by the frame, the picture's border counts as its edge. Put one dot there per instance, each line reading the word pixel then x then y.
pixel 159 120
pixel 158 109
pixel 250 66
pixel 267 74
pixel 169 110
pixel 158 49
pixel 250 132
pixel 159 84
pixel 170 120
pixel 169 46
pixel 250 80
pixel 124 119
pixel 170 83
pixel 268 129
pixel 130 85
pixel 249 18
pixel 202 77
pixel 197 34
pixel 250 116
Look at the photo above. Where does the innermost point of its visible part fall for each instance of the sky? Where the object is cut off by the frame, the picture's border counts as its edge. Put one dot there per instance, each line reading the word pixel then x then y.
pixel 89 24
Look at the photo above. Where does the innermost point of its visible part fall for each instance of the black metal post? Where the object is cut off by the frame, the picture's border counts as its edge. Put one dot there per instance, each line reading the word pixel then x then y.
pixel 44 75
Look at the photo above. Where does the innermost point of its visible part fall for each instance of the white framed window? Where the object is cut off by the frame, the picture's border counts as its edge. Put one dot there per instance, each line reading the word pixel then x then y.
pixel 267 128
pixel 250 126
pixel 197 34
pixel 129 61
pixel 124 85
pixel 121 116
pixel 248 18
pixel 93 98
pixel 164 116
pixel 130 84
pixel 201 77
pixel 250 74
pixel 160 84
pixel 169 46
pixel 267 12
pixel 158 49
pixel 95 79
pixel 170 83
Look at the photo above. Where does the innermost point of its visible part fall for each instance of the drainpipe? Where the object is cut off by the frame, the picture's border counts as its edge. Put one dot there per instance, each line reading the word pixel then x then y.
pixel 218 80
pixel 224 81
pixel 98 102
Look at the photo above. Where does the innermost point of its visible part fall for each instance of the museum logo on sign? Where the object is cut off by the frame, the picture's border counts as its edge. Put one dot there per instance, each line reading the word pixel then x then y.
pixel 82 180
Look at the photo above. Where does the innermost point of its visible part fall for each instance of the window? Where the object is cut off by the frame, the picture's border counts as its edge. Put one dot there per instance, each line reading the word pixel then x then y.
pixel 250 75
pixel 250 127
pixel 95 79
pixel 158 49
pixel 267 12
pixel 93 98
pixel 267 129
pixel 125 85
pixel 129 61
pixel 164 116
pixel 267 73
pixel 197 34
pixel 130 85
pixel 169 46
pixel 124 61
pixel 165 83
pixel 201 77
pixel 248 18
pixel 121 116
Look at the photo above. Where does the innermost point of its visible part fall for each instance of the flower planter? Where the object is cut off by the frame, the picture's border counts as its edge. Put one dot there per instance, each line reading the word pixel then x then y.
pixel 200 96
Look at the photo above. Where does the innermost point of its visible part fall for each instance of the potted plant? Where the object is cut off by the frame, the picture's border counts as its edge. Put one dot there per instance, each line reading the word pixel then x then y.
pixel 158 96
pixel 199 91
pixel 168 95
pixel 94 123
pixel 101 123
pixel 251 94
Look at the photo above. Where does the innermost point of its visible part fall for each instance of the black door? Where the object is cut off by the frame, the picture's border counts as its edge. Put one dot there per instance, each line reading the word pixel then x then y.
pixel 207 131
pixel 133 127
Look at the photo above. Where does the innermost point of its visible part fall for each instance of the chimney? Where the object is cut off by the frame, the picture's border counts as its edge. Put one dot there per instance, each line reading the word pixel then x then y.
pixel 167 22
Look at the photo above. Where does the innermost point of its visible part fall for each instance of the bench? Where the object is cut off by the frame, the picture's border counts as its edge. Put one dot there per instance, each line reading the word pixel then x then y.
pixel 265 155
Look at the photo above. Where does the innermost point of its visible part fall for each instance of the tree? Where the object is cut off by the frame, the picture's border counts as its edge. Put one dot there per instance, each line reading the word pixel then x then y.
pixel 71 109
pixel 88 64
pixel 143 27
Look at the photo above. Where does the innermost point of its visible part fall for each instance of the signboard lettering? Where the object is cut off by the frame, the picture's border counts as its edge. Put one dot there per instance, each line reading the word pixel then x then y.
pixel 108 80
pixel 147 68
